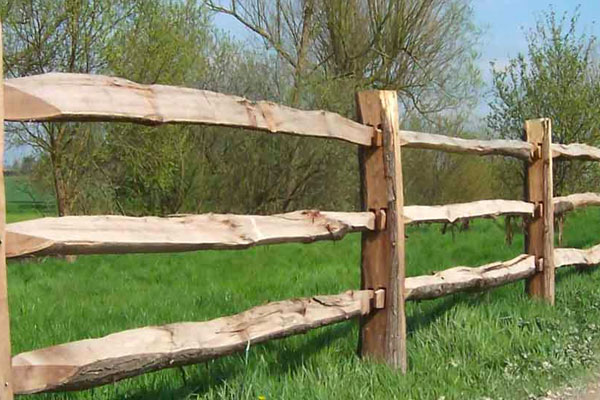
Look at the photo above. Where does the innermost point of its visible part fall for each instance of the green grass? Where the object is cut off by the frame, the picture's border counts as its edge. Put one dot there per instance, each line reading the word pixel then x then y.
pixel 498 344
pixel 21 200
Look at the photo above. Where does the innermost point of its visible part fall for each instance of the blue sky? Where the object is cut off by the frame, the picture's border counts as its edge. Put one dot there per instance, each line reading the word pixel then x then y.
pixel 506 21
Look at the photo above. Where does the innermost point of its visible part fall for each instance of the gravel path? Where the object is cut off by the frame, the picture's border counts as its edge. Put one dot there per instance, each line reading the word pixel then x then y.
pixel 589 392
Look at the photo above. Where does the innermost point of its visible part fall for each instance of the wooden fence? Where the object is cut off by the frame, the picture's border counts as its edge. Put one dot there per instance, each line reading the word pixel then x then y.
pixel 384 289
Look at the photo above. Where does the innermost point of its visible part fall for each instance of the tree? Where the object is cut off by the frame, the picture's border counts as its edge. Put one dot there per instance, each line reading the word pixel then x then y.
pixel 70 36
pixel 150 41
pixel 153 170
pixel 325 51
pixel 558 79
pixel 436 177
pixel 421 48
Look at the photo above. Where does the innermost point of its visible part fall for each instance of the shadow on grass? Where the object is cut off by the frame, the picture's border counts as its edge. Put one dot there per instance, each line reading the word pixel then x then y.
pixel 421 318
pixel 285 362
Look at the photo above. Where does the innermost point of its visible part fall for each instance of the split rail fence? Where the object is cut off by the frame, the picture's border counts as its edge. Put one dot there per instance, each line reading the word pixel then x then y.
pixel 384 289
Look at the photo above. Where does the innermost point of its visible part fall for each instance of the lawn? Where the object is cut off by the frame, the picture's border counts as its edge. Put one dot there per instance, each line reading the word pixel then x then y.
pixel 498 344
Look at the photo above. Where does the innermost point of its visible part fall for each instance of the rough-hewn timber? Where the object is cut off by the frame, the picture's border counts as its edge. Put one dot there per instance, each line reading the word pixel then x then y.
pixel 93 362
pixel 383 333
pixel 82 97
pixel 6 382
pixel 573 201
pixel 576 151
pixel 512 148
pixel 459 279
pixel 68 97
pixel 119 234
pixel 589 256
pixel 539 235
pixel 453 212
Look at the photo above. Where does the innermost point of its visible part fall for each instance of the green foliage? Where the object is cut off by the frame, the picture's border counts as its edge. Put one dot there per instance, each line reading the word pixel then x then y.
pixel 558 79
pixel 321 59
pixel 435 177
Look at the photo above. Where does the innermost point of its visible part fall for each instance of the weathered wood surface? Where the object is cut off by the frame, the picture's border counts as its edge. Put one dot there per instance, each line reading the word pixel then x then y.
pixel 566 256
pixel 453 212
pixel 511 148
pixel 460 279
pixel 573 201
pixel 383 333
pixel 539 235
pixel 68 97
pixel 82 97
pixel 93 362
pixel 576 151
pixel 421 140
pixel 119 234
pixel 6 382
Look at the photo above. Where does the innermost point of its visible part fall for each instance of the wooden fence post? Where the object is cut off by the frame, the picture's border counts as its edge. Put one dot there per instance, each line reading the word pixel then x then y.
pixel 383 332
pixel 539 235
pixel 6 384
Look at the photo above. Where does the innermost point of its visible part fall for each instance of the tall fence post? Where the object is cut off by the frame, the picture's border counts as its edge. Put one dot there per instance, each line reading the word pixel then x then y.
pixel 6 384
pixel 539 235
pixel 383 332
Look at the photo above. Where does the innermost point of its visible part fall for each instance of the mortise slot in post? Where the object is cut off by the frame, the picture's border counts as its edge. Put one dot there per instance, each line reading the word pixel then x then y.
pixel 377 138
pixel 537 152
pixel 539 210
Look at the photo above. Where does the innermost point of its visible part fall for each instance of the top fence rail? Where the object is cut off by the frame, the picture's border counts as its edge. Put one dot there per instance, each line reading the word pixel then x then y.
pixel 82 97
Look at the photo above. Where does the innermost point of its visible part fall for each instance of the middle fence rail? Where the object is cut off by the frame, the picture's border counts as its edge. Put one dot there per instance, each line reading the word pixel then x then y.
pixel 384 288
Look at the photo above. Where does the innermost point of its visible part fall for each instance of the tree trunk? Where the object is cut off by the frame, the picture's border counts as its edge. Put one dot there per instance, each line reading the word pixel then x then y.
pixel 302 51
pixel 62 206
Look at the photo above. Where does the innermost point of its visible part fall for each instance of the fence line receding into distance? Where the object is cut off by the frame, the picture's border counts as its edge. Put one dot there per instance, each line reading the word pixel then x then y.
pixel 384 288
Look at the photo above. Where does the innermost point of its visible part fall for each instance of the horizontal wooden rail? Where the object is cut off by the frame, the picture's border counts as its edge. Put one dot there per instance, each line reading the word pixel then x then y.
pixel 459 279
pixel 119 234
pixel 93 362
pixel 512 148
pixel 453 212
pixel 573 201
pixel 72 97
pixel 421 140
pixel 576 151
pixel 82 97
pixel 564 256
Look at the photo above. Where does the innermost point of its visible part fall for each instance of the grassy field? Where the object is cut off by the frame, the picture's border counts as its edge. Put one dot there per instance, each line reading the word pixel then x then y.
pixel 497 345
pixel 23 202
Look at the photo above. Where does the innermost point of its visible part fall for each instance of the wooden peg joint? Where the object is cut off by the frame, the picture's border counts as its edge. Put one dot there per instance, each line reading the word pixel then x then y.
pixel 539 265
pixel 378 299
pixel 380 219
